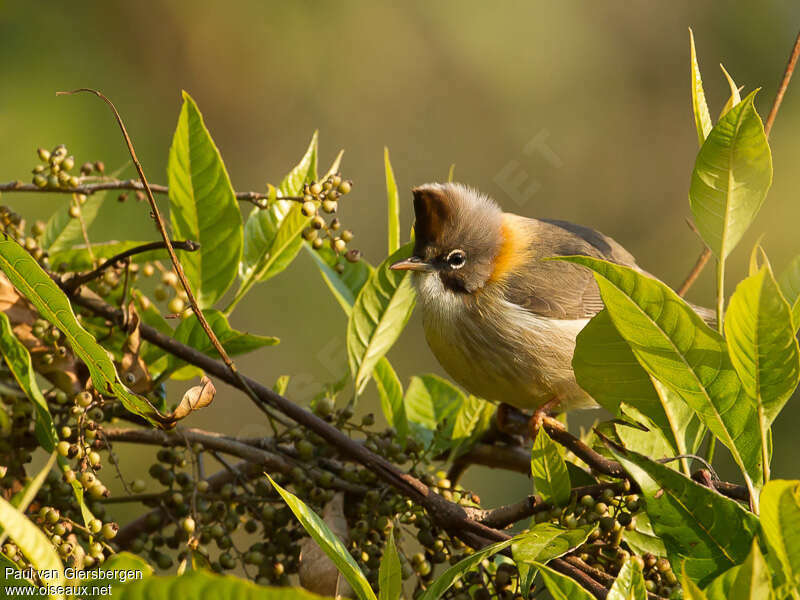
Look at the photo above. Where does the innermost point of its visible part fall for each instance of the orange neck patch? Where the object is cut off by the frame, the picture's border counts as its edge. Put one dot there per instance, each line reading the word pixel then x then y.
pixel 513 250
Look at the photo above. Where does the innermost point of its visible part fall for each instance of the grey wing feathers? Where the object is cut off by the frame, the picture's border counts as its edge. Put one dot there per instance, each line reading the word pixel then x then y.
pixel 560 290
pixel 565 291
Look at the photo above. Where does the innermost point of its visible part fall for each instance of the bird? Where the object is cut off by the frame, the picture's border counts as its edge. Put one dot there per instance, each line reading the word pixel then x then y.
pixel 501 321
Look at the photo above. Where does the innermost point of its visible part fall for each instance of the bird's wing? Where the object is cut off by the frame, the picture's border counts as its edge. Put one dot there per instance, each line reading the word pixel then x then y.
pixel 557 289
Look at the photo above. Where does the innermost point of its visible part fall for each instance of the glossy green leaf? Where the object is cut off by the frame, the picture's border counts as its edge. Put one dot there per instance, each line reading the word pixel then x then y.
pixel 393 201
pixel 549 471
pixel 119 569
pixel 198 584
pixel 562 587
pixel 442 583
pixel 272 236
pixel 428 402
pixel 330 544
pixel 731 177
pixel 346 285
pixel 748 581
pixel 690 589
pixel 32 282
pixel 642 539
pixel 606 367
pixel 390 391
pixel 191 333
pixel 780 520
pixel 790 287
pixel 203 207
pixel 33 543
pixel 762 343
pixel 676 347
pixel 543 543
pixel 734 98
pixel 18 361
pixel 77 258
pixel 629 584
pixel 390 573
pixel 702 118
pixel 380 313
pixel 711 532
pixel 63 231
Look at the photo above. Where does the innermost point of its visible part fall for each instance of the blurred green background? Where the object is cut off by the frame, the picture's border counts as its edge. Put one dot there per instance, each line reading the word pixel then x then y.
pixel 571 110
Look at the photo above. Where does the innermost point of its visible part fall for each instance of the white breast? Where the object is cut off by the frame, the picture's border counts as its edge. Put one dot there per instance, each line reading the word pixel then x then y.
pixel 498 350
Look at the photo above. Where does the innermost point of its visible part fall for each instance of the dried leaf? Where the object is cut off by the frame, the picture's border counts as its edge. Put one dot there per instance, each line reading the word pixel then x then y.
pixel 317 572
pixel 195 398
pixel 133 368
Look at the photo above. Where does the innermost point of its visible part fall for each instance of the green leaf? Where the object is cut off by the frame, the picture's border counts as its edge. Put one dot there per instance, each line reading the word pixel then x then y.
pixel 606 367
pixel 702 118
pixel 731 177
pixel 711 532
pixel 442 583
pixel 734 98
pixel 393 201
pixel 676 347
pixel 18 360
pixel 191 333
pixel 562 587
pixel 790 287
pixel 77 258
pixel 330 544
pixel 62 231
pixel 762 343
pixel 346 285
pixel 429 401
pixel 33 543
pixel 748 581
pixel 390 391
pixel 122 565
pixel 642 539
pixel 549 471
pixel 780 520
pixel 201 584
pixel 203 207
pixel 272 236
pixel 32 282
pixel 390 573
pixel 381 310
pixel 546 541
pixel 689 587
pixel 629 584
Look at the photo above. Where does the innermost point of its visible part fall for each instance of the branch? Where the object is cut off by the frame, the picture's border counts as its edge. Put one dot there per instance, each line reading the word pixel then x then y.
pixel 87 189
pixel 78 280
pixel 776 104
pixel 221 443
pixel 450 516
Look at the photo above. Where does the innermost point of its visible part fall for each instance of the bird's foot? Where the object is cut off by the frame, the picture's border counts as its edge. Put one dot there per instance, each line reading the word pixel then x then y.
pixel 548 409
pixel 512 421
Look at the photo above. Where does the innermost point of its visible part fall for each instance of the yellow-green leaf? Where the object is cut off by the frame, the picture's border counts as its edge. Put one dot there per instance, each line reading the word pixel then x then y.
pixel 731 177
pixel 549 471
pixel 702 118
pixel 393 202
pixel 203 207
pixel 32 282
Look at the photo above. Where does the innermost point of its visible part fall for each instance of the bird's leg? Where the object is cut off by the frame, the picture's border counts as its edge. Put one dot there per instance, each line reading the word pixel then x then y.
pixel 513 421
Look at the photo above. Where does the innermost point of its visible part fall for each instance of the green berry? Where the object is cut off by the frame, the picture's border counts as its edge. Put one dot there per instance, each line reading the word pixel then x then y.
pixel 345 187
pixel 329 206
pixel 63 448
pixel 109 530
pixel 176 305
pixel 308 209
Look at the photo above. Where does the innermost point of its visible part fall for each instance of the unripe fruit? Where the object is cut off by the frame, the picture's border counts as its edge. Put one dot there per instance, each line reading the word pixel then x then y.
pixel 339 245
pixel 95 525
pixel 176 305
pixel 43 154
pixel 74 211
pixel 63 448
pixel 109 530
pixel 40 181
pixel 345 187
pixel 315 189
pixel 317 243
pixel 188 525
pixel 329 206
pixel 347 235
pixel 159 293
pixel 308 209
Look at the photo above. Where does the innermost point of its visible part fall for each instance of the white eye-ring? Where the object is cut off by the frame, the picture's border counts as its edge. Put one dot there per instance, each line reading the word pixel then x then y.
pixel 456 259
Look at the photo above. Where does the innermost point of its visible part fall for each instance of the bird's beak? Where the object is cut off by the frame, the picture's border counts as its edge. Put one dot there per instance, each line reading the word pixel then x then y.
pixel 412 264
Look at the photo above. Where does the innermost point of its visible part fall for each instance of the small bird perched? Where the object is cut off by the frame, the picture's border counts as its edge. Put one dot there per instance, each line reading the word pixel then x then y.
pixel 501 321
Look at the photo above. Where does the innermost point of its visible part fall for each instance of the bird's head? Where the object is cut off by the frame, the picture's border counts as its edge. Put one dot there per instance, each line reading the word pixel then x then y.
pixel 458 234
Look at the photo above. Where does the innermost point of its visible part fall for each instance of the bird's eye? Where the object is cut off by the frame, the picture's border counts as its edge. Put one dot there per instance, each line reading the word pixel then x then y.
pixel 456 259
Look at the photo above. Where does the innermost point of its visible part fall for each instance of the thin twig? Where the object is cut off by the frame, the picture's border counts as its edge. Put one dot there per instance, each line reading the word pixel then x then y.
pixel 776 104
pixel 787 76
pixel 78 280
pixel 162 228
pixel 87 189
